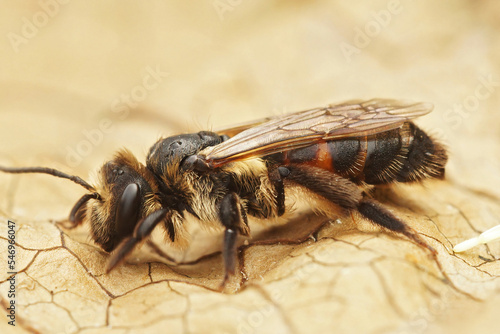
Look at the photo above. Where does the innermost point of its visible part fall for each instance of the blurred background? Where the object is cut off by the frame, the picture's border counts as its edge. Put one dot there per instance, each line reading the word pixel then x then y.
pixel 81 79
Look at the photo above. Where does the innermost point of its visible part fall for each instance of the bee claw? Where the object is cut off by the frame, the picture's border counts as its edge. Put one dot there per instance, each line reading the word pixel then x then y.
pixel 485 237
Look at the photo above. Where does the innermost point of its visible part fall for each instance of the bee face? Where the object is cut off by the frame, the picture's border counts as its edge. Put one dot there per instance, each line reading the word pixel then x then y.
pixel 126 191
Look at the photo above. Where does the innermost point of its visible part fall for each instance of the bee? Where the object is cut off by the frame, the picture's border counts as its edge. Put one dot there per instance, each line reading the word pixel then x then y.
pixel 337 153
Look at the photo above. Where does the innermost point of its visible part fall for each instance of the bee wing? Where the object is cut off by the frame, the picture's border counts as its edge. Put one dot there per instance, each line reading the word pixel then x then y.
pixel 234 130
pixel 304 128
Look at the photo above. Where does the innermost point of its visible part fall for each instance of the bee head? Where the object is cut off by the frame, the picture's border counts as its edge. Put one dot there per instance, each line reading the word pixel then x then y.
pixel 126 193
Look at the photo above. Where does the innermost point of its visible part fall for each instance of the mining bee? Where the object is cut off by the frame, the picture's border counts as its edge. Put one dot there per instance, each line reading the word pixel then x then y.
pixel 336 153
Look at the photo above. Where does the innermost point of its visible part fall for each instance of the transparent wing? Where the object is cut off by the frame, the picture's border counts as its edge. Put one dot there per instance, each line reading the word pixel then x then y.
pixel 304 128
pixel 234 130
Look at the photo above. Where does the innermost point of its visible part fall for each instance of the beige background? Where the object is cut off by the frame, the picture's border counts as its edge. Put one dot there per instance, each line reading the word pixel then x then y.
pixel 66 69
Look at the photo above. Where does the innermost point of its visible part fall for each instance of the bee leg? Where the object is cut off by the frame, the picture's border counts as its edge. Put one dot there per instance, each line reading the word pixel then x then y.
pixel 233 216
pixel 141 231
pixel 334 188
pixel 376 213
pixel 347 195
pixel 77 214
pixel 276 176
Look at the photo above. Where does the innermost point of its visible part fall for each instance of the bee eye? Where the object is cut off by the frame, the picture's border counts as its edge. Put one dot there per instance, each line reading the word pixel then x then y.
pixel 117 171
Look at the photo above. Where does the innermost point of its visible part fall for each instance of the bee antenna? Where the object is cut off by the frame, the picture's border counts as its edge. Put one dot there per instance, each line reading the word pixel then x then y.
pixel 50 171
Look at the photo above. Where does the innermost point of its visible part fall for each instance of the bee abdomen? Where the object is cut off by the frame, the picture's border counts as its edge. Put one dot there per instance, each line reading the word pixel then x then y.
pixel 404 154
pixel 371 159
pixel 385 153
pixel 425 158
